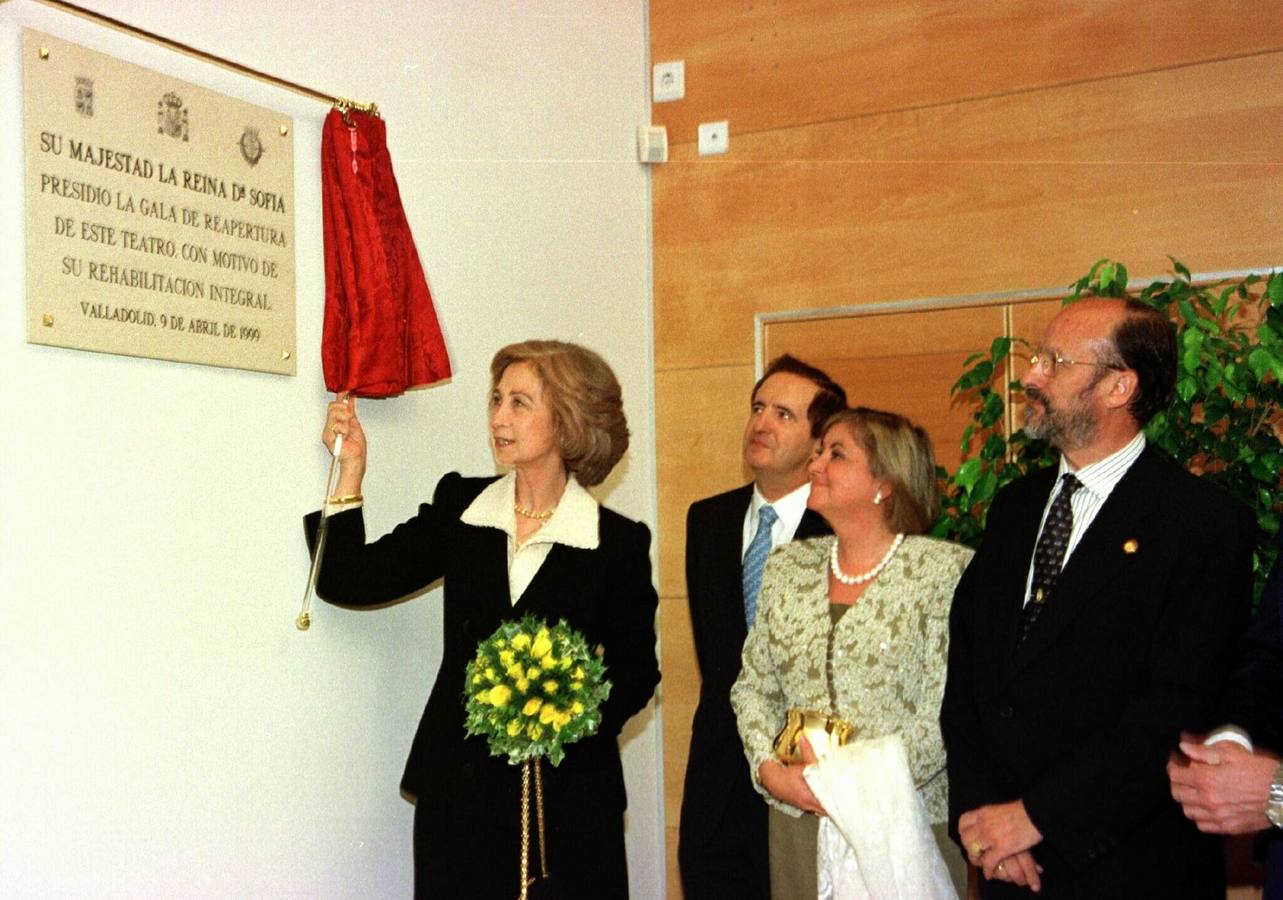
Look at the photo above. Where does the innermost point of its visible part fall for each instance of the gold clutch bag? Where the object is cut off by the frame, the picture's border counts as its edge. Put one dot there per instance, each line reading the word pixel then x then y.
pixel 825 733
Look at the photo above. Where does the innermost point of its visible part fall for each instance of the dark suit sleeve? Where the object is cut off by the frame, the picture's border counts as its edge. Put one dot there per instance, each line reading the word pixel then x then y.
pixel 1253 698
pixel 629 641
pixel 411 556
pixel 970 781
pixel 1115 779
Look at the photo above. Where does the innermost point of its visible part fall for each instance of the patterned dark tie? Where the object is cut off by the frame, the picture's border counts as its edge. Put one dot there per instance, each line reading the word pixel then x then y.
pixel 1049 555
pixel 755 560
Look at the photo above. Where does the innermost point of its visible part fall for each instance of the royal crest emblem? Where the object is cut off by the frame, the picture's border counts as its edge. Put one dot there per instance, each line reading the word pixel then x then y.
pixel 251 145
pixel 85 96
pixel 172 116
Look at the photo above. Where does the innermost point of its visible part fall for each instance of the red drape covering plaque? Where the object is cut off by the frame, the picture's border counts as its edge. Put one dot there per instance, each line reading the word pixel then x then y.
pixel 380 335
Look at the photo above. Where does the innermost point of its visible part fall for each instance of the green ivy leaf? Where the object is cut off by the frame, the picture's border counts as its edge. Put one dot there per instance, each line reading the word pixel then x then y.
pixel 1261 361
pixel 967 475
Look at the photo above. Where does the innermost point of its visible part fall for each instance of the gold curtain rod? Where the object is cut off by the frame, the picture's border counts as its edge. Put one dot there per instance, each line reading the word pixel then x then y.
pixel 342 103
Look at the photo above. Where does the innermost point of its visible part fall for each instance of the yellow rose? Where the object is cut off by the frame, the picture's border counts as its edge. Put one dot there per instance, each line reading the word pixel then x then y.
pixel 514 728
pixel 577 708
pixel 523 685
pixel 490 675
pixel 499 696
pixel 500 643
pixel 576 686
pixel 565 663
pixel 532 706
pixel 535 730
pixel 507 658
pixel 521 641
pixel 550 686
pixel 548 714
pixel 541 645
pixel 562 720
pixel 548 661
pixel 532 673
pixel 516 671
pixel 476 679
pixel 578 674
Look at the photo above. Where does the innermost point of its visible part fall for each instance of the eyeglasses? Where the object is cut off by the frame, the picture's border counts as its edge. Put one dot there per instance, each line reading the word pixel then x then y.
pixel 1049 362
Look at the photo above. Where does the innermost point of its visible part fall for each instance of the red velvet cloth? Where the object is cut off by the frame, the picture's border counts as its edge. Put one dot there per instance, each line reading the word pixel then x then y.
pixel 381 335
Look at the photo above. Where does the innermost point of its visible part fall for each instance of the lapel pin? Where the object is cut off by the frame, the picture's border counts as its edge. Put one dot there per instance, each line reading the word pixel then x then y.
pixel 1130 546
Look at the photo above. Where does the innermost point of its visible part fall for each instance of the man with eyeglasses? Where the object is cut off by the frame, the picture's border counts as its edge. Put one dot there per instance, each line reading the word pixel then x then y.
pixel 1094 622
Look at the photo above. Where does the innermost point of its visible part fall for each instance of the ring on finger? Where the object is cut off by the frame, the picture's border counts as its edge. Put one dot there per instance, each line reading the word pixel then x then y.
pixel 334 429
pixel 1001 867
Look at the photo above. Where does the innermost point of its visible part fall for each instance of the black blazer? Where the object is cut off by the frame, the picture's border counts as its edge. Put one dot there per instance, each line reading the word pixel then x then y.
pixel 1077 721
pixel 605 593
pixel 1253 698
pixel 721 811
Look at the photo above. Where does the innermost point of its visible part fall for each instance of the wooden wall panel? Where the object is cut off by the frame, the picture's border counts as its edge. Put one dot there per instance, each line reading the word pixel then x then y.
pixel 701 427
pixel 680 697
pixel 1216 112
pixel 773 65
pixel 739 238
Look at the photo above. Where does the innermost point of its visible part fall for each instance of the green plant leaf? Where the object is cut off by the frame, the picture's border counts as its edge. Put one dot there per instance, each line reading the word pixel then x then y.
pixel 967 474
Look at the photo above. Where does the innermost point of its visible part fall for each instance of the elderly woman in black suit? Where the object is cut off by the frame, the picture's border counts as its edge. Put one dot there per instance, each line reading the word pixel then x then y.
pixel 531 541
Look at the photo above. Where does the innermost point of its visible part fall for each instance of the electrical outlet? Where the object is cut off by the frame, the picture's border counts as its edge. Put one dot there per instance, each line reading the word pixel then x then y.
pixel 668 81
pixel 714 137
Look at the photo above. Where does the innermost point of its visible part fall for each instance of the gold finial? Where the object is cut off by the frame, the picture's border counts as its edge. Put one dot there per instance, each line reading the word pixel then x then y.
pixel 303 622
pixel 1130 546
pixel 44 52
pixel 48 320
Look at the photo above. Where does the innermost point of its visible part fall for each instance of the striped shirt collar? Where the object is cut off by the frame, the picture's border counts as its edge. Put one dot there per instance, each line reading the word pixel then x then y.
pixel 1103 475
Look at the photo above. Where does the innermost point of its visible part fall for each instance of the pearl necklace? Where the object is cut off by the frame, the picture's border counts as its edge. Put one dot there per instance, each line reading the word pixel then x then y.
pixel 863 576
pixel 531 514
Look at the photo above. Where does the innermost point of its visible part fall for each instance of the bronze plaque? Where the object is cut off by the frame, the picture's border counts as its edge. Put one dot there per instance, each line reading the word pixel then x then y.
pixel 160 214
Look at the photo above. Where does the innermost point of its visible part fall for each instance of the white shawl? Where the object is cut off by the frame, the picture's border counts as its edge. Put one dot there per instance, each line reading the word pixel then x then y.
pixel 876 842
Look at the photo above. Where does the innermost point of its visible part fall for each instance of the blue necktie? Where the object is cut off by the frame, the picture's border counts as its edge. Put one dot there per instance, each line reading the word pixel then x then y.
pixel 755 560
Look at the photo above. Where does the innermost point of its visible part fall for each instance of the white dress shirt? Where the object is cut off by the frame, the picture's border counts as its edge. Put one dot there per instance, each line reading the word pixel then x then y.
pixel 790 508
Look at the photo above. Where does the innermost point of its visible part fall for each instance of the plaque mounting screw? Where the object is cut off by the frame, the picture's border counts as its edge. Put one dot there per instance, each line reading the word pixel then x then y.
pixel 44 52
pixel 285 129
pixel 48 320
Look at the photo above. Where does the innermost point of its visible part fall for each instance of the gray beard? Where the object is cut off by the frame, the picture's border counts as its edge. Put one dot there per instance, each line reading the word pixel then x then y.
pixel 1062 429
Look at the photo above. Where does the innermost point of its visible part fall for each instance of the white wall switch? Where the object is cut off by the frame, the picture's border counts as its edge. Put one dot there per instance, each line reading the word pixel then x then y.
pixel 652 144
pixel 714 137
pixel 668 81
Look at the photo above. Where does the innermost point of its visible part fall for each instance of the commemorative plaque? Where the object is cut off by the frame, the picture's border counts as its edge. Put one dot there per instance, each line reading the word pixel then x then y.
pixel 160 214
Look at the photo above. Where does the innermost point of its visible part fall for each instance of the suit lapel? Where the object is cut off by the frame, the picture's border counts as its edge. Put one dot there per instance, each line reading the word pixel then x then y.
pixel 727 546
pixel 812 525
pixel 1096 560
pixel 1014 573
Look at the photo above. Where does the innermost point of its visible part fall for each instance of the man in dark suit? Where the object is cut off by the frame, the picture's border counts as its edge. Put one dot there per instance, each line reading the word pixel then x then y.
pixel 1232 783
pixel 1097 618
pixel 722 849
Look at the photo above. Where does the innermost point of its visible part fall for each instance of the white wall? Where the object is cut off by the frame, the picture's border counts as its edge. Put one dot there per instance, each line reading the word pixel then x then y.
pixel 164 729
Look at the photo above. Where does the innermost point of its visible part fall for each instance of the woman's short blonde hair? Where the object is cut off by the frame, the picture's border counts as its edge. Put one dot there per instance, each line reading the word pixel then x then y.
pixel 587 404
pixel 899 452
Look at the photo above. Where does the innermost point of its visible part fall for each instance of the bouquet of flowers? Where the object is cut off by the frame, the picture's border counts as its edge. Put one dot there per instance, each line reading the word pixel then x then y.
pixel 532 689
